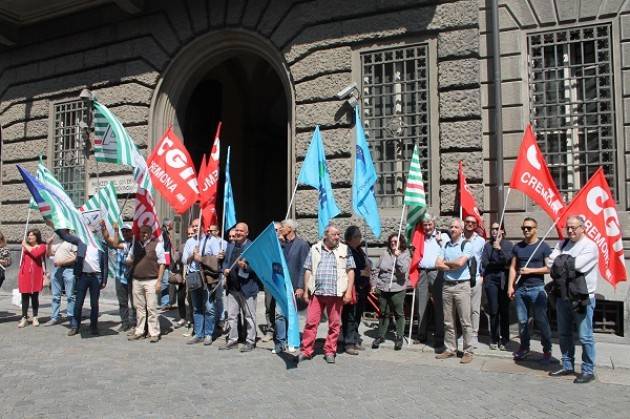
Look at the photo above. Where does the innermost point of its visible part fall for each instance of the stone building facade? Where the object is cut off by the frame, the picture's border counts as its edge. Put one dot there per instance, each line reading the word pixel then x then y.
pixel 270 70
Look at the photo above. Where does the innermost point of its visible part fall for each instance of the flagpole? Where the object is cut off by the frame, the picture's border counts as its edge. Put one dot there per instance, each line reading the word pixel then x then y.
pixel 291 201
pixel 507 195
pixel 223 215
pixel 413 307
pixel 28 219
pixel 540 242
pixel 402 216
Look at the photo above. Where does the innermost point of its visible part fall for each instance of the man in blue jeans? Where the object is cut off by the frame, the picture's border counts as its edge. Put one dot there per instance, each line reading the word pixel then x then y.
pixel 526 286
pixel 63 255
pixel 586 256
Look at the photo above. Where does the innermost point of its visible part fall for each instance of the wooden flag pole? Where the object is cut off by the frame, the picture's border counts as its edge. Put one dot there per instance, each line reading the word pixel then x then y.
pixel 402 217
pixel 413 307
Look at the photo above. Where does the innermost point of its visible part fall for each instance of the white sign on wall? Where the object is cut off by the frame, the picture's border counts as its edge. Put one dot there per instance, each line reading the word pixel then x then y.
pixel 124 184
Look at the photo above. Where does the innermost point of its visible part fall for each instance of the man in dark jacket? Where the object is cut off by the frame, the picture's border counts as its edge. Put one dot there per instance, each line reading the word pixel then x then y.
pixel 495 265
pixel 295 250
pixel 242 289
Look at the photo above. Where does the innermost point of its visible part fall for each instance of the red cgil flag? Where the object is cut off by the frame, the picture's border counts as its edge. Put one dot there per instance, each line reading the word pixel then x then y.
pixel 209 181
pixel 532 177
pixel 173 173
pixel 417 244
pixel 595 203
pixel 145 214
pixel 467 202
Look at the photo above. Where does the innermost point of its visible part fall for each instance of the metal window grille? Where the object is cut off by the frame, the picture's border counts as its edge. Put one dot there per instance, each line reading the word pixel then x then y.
pixel 395 97
pixel 572 103
pixel 68 155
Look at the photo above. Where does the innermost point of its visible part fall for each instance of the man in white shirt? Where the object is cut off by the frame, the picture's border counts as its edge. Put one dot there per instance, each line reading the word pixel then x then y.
pixel 586 255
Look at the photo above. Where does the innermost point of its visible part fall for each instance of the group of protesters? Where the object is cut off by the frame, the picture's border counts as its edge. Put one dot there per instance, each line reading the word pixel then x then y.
pixel 457 267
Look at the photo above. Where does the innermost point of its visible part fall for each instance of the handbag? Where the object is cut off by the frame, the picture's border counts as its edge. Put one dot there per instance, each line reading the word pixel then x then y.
pixel 210 268
pixel 175 278
pixel 194 281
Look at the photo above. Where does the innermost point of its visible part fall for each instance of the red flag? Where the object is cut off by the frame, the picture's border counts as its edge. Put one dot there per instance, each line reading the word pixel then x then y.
pixel 467 202
pixel 595 203
pixel 532 177
pixel 209 181
pixel 417 243
pixel 145 214
pixel 173 173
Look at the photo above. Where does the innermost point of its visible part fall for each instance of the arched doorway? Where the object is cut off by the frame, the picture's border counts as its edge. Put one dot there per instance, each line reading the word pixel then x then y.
pixel 238 78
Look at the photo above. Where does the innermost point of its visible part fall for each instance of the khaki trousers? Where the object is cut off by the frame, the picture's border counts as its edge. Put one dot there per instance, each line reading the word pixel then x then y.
pixel 456 303
pixel 145 300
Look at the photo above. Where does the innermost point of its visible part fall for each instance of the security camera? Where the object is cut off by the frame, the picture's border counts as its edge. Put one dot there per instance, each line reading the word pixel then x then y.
pixel 346 91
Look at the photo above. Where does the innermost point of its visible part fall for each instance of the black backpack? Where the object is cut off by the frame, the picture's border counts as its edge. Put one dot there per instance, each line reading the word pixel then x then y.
pixel 472 266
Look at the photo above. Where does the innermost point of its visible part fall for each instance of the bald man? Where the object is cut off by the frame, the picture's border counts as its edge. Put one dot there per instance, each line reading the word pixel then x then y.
pixel 242 289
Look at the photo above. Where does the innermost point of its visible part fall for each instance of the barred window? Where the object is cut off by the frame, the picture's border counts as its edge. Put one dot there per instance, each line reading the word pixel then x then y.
pixel 572 103
pixel 396 116
pixel 68 156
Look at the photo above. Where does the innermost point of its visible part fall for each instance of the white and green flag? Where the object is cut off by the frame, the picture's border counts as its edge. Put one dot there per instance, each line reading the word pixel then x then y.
pixel 415 197
pixel 104 206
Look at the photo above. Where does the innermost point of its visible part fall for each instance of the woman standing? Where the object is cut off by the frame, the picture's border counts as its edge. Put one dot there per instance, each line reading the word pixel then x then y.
pixel 5 258
pixel 31 275
pixel 391 291
pixel 352 313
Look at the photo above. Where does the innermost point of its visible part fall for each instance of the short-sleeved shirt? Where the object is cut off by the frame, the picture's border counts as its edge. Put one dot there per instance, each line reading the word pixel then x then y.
pixel 211 247
pixel 522 251
pixel 326 274
pixel 453 251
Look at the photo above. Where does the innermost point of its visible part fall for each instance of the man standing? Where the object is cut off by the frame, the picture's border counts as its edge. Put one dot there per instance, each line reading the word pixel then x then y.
pixel 431 283
pixel 453 260
pixel 219 294
pixel 495 263
pixel 148 260
pixel 586 258
pixel 270 302
pixel 63 255
pixel 295 251
pixel 328 284
pixel 477 242
pixel 164 299
pixel 242 289
pixel 123 281
pixel 526 285
pixel 203 299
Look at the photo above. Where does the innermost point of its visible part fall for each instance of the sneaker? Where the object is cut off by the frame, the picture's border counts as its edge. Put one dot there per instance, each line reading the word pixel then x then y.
pixel 35 321
pixel 445 355
pixel 546 358
pixel 520 354
pixel 278 349
pixel 131 331
pixel 188 333
pixel 194 340
pixel 134 337
pixel 398 344
pixel 503 347
pixel 179 323
pixel 329 358
pixel 154 339
pixel 207 341
pixel 22 323
pixel 493 347
pixel 52 322
pixel 73 331
pixel 351 350
pixel 228 345
pixel 301 358
pixel 467 358
pixel 248 347
pixel 377 342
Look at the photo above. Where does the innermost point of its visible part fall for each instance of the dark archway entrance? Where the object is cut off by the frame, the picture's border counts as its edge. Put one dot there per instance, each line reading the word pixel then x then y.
pixel 246 94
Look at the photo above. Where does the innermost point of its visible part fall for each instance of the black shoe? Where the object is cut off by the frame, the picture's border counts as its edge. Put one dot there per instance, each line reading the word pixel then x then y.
pixel 584 378
pixel 399 344
pixel 94 331
pixel 377 342
pixel 561 373
pixel 73 332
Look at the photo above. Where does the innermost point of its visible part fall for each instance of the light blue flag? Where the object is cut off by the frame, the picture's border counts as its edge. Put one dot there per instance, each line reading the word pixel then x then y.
pixel 229 210
pixel 314 173
pixel 363 199
pixel 266 258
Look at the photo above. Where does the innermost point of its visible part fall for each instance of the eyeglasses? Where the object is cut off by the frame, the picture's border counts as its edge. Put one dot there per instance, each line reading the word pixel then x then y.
pixel 527 228
pixel 470 222
pixel 572 228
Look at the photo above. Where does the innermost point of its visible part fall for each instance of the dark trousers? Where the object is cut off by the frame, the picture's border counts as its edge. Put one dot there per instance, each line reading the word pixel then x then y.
pixel 91 282
pixel 34 298
pixel 270 313
pixel 181 301
pixel 498 308
pixel 351 319
pixel 429 288
pixel 391 303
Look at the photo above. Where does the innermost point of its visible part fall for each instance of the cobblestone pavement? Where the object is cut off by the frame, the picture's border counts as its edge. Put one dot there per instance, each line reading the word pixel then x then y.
pixel 44 373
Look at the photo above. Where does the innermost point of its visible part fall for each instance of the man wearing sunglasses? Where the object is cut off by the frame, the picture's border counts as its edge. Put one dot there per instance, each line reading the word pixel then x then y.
pixel 586 256
pixel 526 286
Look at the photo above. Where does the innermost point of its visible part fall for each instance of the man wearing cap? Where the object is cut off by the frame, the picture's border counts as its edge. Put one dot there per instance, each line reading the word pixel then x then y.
pixel 122 274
